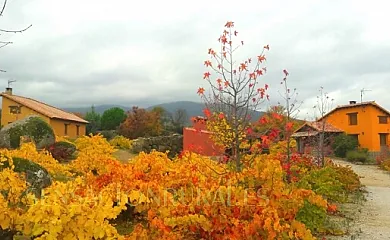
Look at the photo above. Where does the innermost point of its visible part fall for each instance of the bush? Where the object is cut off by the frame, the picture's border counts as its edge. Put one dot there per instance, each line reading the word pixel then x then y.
pixel 121 142
pixel 312 216
pixel 385 165
pixel 357 156
pixel 344 143
pixel 62 151
pixel 324 182
pixel 108 134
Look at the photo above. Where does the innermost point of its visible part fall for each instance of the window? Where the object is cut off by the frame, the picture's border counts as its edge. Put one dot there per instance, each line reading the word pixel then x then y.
pixel 356 136
pixel 66 128
pixel 352 117
pixel 382 119
pixel 383 139
pixel 14 109
pixel 77 130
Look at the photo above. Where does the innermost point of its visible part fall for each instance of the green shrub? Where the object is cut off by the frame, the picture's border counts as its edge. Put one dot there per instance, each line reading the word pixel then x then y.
pixel 344 143
pixel 108 134
pixel 357 156
pixel 312 216
pixel 324 182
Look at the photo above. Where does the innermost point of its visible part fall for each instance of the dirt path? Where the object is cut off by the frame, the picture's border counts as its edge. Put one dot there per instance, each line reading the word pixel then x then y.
pixel 373 223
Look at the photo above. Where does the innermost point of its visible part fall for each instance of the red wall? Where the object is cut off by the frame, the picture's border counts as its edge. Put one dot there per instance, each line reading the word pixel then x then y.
pixel 197 140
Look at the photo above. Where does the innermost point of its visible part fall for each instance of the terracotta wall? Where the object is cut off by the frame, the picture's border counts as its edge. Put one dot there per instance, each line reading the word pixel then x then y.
pixel 198 140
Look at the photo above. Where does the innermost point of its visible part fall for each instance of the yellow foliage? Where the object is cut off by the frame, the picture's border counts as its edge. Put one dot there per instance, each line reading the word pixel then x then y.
pixel 94 153
pixel 121 142
pixel 281 146
pixel 223 134
pixel 43 158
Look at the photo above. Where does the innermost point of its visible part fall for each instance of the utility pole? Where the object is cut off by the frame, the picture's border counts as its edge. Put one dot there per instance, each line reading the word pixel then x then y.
pixel 362 92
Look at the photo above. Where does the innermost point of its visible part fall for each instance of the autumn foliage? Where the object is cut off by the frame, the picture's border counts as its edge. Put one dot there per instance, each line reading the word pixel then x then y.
pixel 235 90
pixel 140 123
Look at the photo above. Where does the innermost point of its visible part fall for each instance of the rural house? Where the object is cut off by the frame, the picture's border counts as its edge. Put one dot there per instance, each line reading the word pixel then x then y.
pixel 367 122
pixel 63 123
pixel 308 136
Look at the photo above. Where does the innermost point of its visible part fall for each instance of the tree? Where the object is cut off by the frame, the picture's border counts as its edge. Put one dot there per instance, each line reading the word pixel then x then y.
pixel 234 92
pixel 112 118
pixel 5 31
pixel 94 121
pixel 322 107
pixel 291 109
pixel 141 123
pixel 178 120
pixel 344 143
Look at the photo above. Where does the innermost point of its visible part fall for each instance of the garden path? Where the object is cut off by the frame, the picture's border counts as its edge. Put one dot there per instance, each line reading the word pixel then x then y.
pixel 373 219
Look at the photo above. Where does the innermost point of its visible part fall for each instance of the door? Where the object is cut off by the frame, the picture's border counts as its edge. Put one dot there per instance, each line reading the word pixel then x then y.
pixel 383 141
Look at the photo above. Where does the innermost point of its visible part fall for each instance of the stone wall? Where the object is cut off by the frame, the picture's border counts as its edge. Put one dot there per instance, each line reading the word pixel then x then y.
pixel 172 143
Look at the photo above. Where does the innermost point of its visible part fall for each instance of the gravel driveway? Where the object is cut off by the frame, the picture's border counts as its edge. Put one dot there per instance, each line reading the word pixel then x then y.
pixel 373 223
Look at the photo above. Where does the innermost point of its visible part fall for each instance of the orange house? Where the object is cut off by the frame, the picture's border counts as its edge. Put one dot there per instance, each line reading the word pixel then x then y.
pixel 197 139
pixel 63 123
pixel 367 121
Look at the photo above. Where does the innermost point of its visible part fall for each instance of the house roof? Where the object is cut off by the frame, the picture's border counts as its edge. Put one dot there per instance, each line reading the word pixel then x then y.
pixel 370 103
pixel 317 127
pixel 44 109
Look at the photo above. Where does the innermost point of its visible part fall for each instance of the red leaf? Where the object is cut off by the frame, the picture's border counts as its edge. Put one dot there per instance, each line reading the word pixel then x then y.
pixel 206 112
pixel 200 91
pixel 261 58
pixel 285 72
pixel 242 42
pixel 207 63
pixel 266 47
pixel 259 72
pixel 229 24
pixel 252 76
pixel 289 126
pixel 242 66
pixel 235 33
pixel 266 86
pixel 221 116
pixel 206 75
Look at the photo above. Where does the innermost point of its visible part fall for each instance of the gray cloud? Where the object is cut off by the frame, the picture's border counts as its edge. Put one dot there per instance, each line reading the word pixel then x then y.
pixel 83 53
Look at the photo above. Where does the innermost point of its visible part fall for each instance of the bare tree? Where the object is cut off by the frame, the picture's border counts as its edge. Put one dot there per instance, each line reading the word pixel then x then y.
pixel 234 91
pixel 291 107
pixel 8 31
pixel 323 106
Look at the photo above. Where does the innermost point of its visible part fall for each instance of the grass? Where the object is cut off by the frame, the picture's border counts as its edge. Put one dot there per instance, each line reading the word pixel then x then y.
pixel 124 155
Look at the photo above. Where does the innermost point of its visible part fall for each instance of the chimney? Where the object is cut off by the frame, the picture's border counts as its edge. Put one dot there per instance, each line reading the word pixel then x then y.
pixel 8 90
pixel 352 102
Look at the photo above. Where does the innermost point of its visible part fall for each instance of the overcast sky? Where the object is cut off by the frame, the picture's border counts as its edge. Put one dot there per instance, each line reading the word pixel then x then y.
pixel 79 53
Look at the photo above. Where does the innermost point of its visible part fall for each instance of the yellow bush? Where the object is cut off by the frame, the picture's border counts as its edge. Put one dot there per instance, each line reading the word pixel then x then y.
pixel 94 152
pixel 43 158
pixel 121 142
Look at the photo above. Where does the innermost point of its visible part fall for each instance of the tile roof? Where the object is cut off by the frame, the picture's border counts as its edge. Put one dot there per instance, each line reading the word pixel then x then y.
pixel 327 127
pixel 317 127
pixel 304 134
pixel 372 103
pixel 43 108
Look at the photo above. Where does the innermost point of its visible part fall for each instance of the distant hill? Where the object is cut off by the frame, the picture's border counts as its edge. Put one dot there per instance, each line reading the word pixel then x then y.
pixel 192 108
pixel 99 108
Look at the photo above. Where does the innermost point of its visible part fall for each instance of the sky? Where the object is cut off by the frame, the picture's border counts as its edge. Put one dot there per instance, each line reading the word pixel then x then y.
pixel 79 53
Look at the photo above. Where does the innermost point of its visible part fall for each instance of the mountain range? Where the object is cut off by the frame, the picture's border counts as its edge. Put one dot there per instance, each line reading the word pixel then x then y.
pixel 192 108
